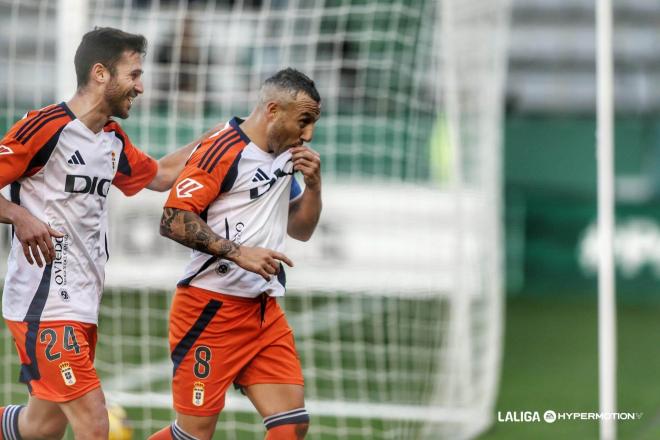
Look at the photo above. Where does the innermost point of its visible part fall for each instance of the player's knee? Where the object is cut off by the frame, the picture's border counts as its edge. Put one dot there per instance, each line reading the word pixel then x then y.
pixel 293 431
pixel 49 430
pixel 201 428
pixel 287 425
pixel 93 428
pixel 47 427
pixel 98 429
pixel 301 429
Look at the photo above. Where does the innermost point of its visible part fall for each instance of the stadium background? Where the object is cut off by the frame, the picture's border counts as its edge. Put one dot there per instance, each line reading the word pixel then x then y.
pixel 549 187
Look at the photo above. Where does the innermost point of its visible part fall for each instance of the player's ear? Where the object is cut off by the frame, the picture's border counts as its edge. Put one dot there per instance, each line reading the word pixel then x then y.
pixel 99 73
pixel 272 109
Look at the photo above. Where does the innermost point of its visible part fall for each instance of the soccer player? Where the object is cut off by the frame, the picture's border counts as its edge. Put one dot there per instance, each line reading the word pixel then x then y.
pixel 61 162
pixel 233 204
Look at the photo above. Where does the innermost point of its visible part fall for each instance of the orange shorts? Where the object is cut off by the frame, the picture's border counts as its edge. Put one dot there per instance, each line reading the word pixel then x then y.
pixel 217 340
pixel 57 358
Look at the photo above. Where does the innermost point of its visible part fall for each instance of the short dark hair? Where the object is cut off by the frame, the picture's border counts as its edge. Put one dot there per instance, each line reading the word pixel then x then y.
pixel 294 81
pixel 105 45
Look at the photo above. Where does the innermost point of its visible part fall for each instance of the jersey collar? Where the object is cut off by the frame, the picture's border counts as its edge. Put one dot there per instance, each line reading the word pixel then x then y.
pixel 235 122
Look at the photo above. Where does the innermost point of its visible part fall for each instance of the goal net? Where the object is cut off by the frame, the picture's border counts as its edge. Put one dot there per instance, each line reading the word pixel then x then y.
pixel 396 302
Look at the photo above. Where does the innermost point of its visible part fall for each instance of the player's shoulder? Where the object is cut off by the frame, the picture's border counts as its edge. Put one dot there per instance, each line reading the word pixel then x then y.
pixel 214 138
pixel 217 147
pixel 38 126
pixel 113 126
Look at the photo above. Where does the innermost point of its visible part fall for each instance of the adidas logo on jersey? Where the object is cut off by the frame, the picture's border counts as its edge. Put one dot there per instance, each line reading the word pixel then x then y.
pixel 267 182
pixel 76 159
pixel 260 176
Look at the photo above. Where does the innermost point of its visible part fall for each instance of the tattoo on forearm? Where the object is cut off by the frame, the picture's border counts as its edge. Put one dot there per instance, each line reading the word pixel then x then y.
pixel 190 230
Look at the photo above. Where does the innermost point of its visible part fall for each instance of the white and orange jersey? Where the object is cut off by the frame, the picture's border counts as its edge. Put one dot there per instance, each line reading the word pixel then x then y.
pixel 243 194
pixel 61 172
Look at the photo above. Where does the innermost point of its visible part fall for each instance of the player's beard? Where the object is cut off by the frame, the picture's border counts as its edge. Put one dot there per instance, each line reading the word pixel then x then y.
pixel 116 100
pixel 278 139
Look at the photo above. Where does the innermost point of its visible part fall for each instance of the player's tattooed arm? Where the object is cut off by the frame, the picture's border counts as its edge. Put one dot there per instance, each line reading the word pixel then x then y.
pixel 190 230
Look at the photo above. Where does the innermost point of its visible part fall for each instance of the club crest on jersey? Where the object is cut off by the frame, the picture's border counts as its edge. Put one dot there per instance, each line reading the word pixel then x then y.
pixel 5 150
pixel 67 373
pixel 198 394
pixel 186 187
pixel 113 156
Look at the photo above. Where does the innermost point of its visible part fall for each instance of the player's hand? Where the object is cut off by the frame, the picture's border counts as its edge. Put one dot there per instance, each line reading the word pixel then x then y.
pixel 308 162
pixel 35 236
pixel 262 261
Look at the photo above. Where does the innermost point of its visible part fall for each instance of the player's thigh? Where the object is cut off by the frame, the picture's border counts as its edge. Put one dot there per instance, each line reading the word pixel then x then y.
pixel 273 379
pixel 88 415
pixel 57 358
pixel 204 353
pixel 200 427
pixel 42 419
pixel 274 398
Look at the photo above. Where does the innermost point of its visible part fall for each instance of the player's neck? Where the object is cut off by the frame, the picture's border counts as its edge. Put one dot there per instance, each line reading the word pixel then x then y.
pixel 90 110
pixel 253 128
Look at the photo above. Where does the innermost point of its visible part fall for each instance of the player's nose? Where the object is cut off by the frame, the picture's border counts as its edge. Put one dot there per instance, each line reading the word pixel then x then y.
pixel 308 133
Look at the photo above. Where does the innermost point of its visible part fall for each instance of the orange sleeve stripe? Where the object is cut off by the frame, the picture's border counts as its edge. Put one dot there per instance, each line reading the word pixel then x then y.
pixel 43 144
pixel 28 130
pixel 208 143
pixel 143 172
pixel 44 132
pixel 231 144
pixel 27 160
pixel 194 191
pixel 211 184
pixel 215 147
pixel 31 141
pixel 29 118
pixel 13 164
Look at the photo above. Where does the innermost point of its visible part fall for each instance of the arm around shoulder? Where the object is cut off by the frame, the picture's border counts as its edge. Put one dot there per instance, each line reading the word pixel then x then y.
pixel 170 166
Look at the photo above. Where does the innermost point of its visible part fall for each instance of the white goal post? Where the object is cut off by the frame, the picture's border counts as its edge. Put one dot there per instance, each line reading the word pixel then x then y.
pixel 397 300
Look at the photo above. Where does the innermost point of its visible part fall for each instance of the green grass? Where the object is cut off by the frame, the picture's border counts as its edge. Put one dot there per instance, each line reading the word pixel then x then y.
pixel 551 362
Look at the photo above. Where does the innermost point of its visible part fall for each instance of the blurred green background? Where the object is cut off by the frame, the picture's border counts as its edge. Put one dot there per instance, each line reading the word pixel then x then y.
pixel 551 341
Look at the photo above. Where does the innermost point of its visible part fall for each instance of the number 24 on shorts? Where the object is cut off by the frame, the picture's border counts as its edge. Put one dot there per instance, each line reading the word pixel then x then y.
pixel 69 343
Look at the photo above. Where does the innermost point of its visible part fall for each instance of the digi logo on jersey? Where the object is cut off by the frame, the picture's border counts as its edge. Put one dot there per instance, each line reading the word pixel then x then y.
pixel 80 184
